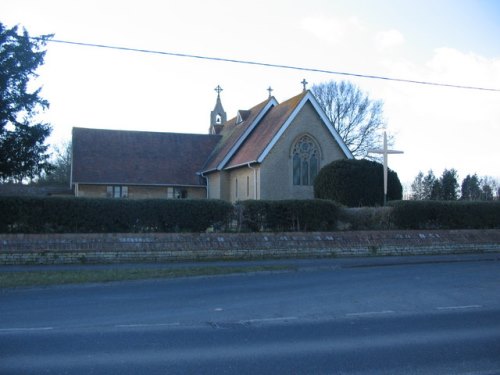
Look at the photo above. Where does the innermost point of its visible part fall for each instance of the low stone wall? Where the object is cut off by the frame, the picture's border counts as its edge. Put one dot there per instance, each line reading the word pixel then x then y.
pixel 167 247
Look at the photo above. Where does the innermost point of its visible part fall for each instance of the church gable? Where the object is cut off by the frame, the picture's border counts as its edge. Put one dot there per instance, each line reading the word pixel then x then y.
pixel 308 100
pixel 258 145
pixel 293 159
pixel 234 134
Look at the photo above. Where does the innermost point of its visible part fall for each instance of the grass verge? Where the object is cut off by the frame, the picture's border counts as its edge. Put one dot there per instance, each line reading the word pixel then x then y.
pixel 45 278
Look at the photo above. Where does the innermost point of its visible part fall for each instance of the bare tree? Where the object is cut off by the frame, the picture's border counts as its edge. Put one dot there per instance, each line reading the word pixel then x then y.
pixel 355 116
pixel 60 172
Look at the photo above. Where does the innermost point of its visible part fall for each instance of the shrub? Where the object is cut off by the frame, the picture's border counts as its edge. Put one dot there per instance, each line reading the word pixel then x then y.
pixel 356 183
pixel 289 215
pixel 79 215
pixel 365 218
pixel 446 215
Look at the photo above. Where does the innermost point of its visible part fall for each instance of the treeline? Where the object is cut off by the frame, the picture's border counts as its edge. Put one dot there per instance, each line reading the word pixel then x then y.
pixel 447 187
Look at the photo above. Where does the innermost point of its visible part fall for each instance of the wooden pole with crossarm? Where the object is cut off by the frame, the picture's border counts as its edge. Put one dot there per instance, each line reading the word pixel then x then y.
pixel 385 151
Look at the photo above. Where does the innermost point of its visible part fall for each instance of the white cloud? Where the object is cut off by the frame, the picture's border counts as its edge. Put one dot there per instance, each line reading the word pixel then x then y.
pixel 441 127
pixel 388 39
pixel 451 65
pixel 332 30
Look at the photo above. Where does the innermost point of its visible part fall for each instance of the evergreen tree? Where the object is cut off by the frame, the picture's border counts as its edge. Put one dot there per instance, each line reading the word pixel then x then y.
pixel 471 190
pixel 23 153
pixel 449 185
pixel 436 191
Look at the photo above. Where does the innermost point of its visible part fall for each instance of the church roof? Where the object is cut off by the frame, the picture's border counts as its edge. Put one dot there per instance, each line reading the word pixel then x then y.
pixel 137 157
pixel 150 158
pixel 259 139
pixel 234 133
pixel 250 140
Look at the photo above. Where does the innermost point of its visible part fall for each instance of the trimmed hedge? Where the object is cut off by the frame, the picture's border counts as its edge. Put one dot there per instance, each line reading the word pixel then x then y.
pixel 365 218
pixel 446 215
pixel 356 183
pixel 288 215
pixel 82 215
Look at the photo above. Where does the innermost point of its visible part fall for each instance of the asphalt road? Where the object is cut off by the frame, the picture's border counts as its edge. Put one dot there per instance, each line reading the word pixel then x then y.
pixel 330 317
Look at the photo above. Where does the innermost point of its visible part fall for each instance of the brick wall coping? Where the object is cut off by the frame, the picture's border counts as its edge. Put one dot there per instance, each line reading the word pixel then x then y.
pixel 164 247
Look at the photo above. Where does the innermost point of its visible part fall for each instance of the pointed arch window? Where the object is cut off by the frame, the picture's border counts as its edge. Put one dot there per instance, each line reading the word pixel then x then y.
pixel 305 160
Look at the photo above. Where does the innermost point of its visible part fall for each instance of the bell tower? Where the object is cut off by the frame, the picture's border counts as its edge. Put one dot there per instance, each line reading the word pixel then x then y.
pixel 218 115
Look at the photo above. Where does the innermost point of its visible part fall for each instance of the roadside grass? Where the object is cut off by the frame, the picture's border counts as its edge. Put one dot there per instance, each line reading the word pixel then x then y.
pixel 54 277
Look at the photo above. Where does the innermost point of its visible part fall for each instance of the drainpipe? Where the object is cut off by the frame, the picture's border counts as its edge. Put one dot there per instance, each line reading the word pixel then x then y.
pixel 254 180
pixel 206 179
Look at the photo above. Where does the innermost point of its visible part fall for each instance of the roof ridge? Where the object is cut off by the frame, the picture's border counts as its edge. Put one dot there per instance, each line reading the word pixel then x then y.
pixel 234 134
pixel 79 128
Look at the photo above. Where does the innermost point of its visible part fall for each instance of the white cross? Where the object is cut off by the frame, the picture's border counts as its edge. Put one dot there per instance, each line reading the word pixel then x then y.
pixel 385 151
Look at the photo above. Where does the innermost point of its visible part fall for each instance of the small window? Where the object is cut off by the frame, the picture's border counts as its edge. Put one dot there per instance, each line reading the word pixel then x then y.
pixel 117 191
pixel 218 119
pixel 176 193
pixel 236 188
pixel 248 186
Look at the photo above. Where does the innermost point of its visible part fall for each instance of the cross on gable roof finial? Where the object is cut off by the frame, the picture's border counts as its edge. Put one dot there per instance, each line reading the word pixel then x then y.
pixel 218 89
pixel 304 83
pixel 270 90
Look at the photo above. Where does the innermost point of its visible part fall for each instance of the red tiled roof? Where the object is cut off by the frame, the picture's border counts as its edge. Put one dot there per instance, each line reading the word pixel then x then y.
pixel 136 157
pixel 231 134
pixel 265 132
pixel 149 158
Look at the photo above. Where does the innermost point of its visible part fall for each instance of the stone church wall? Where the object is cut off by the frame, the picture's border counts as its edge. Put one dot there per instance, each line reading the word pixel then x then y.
pixel 219 185
pixel 242 184
pixel 276 169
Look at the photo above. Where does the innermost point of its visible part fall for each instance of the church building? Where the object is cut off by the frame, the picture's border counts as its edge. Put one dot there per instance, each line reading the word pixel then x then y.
pixel 270 151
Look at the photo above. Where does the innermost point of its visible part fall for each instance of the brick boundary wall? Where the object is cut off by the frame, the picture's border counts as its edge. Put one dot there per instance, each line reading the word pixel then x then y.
pixel 167 247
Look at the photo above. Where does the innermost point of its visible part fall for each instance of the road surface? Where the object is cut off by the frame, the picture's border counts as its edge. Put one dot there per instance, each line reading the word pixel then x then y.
pixel 329 317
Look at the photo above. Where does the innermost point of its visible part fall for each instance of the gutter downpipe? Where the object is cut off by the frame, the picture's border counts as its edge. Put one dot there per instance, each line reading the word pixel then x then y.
pixel 206 179
pixel 254 180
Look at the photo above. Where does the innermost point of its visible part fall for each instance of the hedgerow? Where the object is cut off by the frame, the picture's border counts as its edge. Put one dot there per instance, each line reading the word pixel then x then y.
pixel 82 215
pixel 288 215
pixel 445 214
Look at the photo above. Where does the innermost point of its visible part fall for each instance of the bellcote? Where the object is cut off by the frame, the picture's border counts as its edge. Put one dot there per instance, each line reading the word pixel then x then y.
pixel 218 115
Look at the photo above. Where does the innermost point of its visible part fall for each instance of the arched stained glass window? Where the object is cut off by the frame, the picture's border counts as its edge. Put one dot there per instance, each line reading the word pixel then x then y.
pixel 305 161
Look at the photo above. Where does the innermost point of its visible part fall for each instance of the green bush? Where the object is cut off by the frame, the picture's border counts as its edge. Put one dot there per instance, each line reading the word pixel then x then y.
pixel 356 183
pixel 288 215
pixel 446 215
pixel 77 215
pixel 365 218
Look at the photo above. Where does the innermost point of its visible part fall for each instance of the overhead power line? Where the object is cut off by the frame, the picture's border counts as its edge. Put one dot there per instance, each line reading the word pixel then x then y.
pixel 281 66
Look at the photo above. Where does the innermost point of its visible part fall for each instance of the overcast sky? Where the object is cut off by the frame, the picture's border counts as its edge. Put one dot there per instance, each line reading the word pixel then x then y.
pixel 449 41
